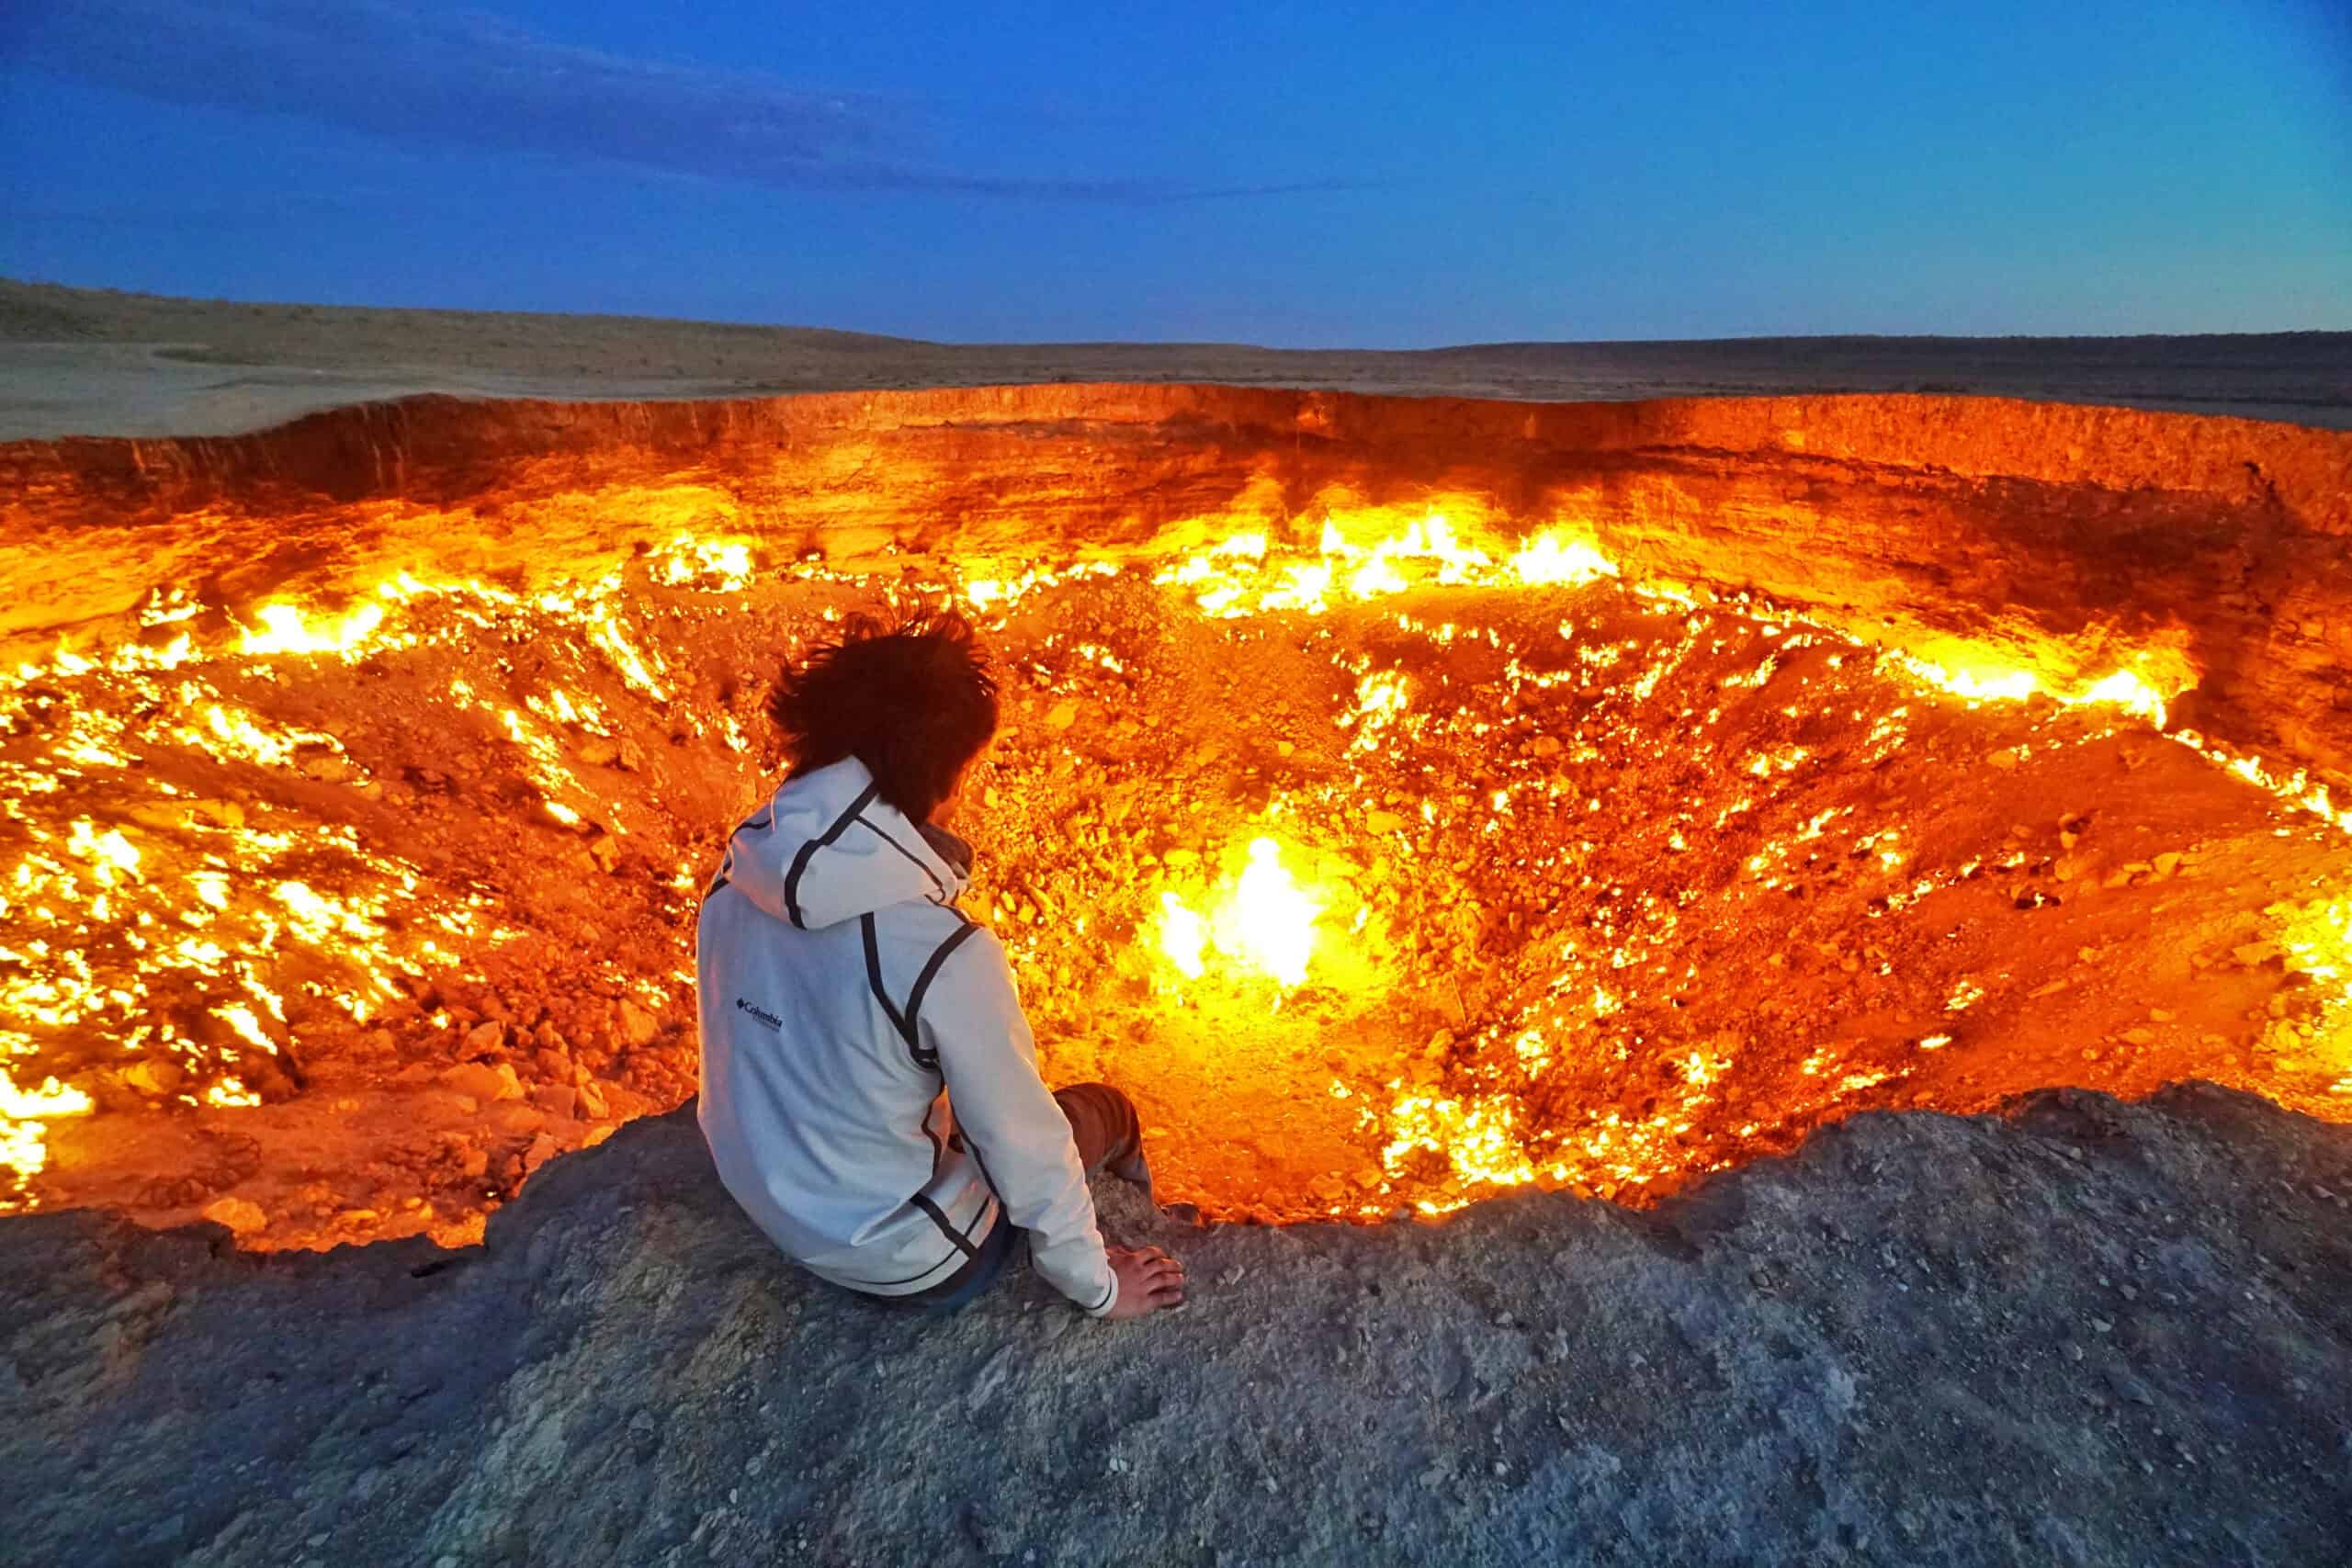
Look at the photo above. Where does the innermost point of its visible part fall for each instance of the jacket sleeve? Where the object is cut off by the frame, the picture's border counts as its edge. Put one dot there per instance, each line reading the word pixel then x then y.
pixel 1011 1123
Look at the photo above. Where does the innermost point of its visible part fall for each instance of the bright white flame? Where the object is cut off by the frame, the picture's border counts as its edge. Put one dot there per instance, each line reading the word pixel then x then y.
pixel 1548 558
pixel 1265 922
pixel 283 630
pixel 1270 921
pixel 1182 936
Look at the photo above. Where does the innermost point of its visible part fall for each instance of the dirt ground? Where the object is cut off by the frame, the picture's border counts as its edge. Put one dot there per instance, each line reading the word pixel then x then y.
pixel 95 362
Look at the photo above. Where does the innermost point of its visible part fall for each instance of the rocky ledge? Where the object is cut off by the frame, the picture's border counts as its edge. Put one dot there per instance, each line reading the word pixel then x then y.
pixel 2082 1332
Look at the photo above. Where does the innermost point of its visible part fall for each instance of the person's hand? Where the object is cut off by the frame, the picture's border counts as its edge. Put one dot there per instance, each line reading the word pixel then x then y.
pixel 1149 1280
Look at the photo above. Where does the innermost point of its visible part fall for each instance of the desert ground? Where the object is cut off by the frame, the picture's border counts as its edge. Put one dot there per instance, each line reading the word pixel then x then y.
pixel 93 362
pixel 2072 1328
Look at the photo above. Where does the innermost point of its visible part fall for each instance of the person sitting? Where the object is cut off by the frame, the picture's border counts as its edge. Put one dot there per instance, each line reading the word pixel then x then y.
pixel 870 1090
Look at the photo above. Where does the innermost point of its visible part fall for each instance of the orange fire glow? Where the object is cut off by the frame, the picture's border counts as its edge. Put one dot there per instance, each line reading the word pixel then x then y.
pixel 1515 815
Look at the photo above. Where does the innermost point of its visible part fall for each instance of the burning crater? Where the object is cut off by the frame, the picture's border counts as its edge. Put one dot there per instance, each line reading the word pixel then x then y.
pixel 1406 801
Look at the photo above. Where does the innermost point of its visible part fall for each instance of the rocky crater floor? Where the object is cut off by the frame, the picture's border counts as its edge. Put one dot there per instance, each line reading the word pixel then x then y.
pixel 2082 1331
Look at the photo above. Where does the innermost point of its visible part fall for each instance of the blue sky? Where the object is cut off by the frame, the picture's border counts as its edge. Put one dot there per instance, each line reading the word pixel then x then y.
pixel 1363 176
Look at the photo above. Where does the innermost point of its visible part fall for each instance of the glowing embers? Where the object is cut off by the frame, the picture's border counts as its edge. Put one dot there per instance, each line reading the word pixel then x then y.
pixel 1515 874
pixel 992 595
pixel 195 866
pixel 1259 921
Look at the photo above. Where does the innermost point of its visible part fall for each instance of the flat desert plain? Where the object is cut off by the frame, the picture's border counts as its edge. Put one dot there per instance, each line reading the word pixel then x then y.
pixel 94 361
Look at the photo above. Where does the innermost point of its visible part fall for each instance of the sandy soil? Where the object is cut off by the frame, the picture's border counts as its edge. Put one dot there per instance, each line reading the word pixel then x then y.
pixel 90 362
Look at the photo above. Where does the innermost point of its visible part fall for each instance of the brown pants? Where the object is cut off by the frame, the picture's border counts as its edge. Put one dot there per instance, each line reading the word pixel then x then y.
pixel 1102 1121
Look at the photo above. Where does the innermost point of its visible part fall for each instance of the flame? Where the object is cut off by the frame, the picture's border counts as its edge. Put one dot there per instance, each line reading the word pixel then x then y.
pixel 284 630
pixel 1183 936
pixel 51 1100
pixel 1269 922
pixel 2158 675
pixel 1264 923
pixel 24 1140
pixel 723 565
pixel 1368 553
pixel 167 898
pixel 2316 939
pixel 110 922
pixel 1551 560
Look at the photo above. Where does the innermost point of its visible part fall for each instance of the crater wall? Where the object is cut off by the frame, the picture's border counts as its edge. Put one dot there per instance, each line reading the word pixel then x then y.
pixel 2060 538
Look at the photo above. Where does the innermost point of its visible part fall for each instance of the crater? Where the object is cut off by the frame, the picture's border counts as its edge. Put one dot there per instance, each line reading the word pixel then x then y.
pixel 1406 800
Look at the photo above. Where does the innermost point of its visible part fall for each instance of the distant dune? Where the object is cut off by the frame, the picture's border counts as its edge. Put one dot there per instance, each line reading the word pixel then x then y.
pixel 95 362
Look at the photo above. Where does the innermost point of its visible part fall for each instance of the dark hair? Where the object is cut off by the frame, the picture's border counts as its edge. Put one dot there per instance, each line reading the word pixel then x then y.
pixel 915 702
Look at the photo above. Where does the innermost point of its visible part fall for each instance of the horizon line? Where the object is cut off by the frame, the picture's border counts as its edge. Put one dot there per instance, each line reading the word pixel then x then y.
pixel 1467 347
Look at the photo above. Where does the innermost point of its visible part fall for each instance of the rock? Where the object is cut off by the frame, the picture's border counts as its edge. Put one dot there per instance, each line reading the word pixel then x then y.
pixel 489 1035
pixel 2004 760
pixel 516 1116
pixel 481 1081
pixel 162 817
pixel 2166 863
pixel 592 1102
pixel 218 813
pixel 1382 822
pixel 639 1027
pixel 604 849
pixel 158 1077
pixel 1544 746
pixel 543 1149
pixel 628 1287
pixel 631 758
pixel 325 767
pixel 556 1098
pixel 1063 713
pixel 599 751
pixel 240 1215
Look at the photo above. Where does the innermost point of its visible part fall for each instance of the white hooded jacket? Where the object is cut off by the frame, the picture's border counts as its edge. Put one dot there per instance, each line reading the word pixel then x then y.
pixel 845 1002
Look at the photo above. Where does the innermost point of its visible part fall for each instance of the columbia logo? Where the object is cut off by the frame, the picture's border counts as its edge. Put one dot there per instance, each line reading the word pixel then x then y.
pixel 759 1013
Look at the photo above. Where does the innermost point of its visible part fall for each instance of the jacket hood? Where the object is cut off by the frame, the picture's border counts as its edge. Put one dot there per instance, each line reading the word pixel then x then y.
pixel 827 848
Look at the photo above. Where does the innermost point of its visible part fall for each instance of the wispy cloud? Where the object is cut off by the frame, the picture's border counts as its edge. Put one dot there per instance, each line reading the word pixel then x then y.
pixel 410 72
